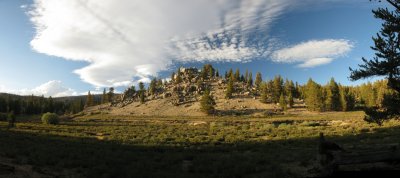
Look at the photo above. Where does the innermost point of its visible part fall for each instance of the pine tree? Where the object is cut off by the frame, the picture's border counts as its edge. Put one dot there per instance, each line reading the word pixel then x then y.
pixel 207 72
pixel 229 89
pixel 264 92
pixel 110 94
pixel 237 75
pixel 89 100
pixel 250 80
pixel 297 92
pixel 289 88
pixel 153 86
pixel 141 92
pixel 282 102
pixel 313 96
pixel 50 105
pixel 332 101
pixel 142 97
pixel 387 47
pixel 290 100
pixel 386 61
pixel 207 103
pixel 347 99
pixel 258 80
pixel 217 73
pixel 211 71
pixel 246 76
pixel 277 88
pixel 230 73
pixel 104 97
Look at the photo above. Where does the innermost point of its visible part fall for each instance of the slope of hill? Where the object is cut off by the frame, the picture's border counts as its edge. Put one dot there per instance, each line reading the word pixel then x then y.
pixel 182 99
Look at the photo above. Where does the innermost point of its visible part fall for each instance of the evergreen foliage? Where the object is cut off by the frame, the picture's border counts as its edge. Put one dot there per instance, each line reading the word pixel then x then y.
pixel 290 100
pixel 314 99
pixel 207 102
pixel 282 102
pixel 110 94
pixel 237 75
pixel 141 92
pixel 153 86
pixel 250 80
pixel 89 100
pixel 229 89
pixel 387 49
pixel 386 61
pixel 104 97
pixel 264 92
pixel 230 73
pixel 332 102
pixel 258 80
pixel 347 99
pixel 277 88
pixel 246 75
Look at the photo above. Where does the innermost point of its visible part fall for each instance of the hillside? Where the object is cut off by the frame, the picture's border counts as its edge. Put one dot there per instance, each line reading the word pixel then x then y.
pixel 182 99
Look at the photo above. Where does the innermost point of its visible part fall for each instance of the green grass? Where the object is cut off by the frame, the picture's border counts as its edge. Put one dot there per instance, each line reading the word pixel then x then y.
pixel 127 146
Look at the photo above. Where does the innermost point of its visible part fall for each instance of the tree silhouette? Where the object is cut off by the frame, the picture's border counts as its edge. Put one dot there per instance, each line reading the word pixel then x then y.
pixel 386 61
pixel 387 49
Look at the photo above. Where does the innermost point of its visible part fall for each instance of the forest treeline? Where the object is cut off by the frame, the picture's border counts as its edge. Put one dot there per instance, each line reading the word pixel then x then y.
pixel 331 96
pixel 32 105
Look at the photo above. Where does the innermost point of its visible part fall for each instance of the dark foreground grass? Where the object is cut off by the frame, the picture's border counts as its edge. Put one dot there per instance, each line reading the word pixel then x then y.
pixel 184 147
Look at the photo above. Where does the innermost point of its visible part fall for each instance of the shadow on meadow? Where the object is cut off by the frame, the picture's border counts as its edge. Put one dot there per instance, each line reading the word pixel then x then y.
pixel 90 157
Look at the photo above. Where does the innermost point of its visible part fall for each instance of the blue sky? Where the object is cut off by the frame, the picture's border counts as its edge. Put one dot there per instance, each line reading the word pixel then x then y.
pixel 68 47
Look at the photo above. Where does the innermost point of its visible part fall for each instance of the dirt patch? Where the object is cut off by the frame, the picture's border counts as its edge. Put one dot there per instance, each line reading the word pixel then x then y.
pixel 195 123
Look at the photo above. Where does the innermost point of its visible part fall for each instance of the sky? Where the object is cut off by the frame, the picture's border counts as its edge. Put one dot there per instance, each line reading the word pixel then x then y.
pixel 67 47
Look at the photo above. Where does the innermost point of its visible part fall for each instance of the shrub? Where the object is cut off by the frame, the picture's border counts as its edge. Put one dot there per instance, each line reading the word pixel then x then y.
pixel 50 118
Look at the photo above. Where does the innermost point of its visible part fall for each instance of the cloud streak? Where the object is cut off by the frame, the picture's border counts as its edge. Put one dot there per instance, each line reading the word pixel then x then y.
pixel 52 88
pixel 313 53
pixel 134 39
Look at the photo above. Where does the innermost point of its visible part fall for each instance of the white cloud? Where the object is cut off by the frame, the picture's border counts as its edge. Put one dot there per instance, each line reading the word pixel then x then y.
pixel 315 62
pixel 52 88
pixel 133 39
pixel 127 41
pixel 313 53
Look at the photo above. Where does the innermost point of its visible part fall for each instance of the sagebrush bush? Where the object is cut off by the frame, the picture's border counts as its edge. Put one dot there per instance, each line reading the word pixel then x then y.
pixel 50 118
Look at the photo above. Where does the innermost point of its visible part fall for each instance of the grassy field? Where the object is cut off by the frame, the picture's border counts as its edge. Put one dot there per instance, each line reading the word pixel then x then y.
pixel 127 146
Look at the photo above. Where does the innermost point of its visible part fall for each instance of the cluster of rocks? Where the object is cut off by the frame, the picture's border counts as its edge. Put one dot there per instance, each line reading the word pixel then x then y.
pixel 185 87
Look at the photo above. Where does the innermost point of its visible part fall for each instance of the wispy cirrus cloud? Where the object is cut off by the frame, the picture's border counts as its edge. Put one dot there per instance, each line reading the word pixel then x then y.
pixel 127 41
pixel 313 53
pixel 133 39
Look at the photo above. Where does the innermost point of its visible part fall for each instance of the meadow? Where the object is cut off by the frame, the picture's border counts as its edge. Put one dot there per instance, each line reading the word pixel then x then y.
pixel 101 145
